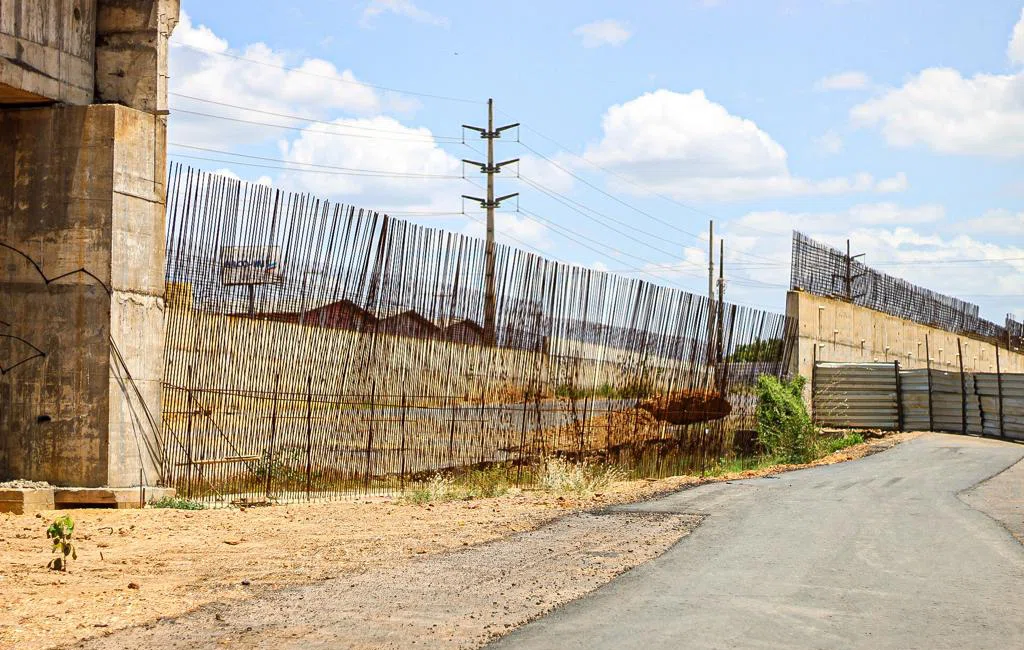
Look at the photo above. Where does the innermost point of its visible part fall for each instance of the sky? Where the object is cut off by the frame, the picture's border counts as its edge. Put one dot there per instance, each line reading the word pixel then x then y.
pixel 896 124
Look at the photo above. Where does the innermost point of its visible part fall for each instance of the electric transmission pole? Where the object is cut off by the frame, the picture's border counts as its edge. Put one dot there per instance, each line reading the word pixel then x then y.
pixel 490 168
pixel 711 291
pixel 848 277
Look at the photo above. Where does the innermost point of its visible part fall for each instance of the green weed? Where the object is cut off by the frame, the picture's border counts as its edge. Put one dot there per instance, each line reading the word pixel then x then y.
pixel 177 503
pixel 783 425
pixel 60 532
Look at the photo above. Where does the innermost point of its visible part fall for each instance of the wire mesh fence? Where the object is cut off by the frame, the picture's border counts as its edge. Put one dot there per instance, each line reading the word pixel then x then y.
pixel 825 271
pixel 315 350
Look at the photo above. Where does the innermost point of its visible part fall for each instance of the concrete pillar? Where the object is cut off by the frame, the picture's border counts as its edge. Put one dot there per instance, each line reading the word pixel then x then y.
pixel 82 193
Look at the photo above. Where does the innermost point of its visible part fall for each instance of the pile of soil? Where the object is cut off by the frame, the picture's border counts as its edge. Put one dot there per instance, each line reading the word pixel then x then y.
pixel 688 408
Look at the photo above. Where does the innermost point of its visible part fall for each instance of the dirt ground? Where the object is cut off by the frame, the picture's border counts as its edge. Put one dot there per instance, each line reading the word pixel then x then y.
pixel 139 566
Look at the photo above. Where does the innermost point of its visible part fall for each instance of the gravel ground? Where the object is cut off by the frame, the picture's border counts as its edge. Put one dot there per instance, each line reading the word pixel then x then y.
pixel 135 567
pixel 456 600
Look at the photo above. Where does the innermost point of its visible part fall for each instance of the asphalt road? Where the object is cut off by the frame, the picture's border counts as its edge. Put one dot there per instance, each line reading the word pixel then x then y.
pixel 877 553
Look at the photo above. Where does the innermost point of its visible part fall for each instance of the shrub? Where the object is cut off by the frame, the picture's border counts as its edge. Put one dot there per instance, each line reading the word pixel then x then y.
pixel 60 532
pixel 783 424
pixel 177 503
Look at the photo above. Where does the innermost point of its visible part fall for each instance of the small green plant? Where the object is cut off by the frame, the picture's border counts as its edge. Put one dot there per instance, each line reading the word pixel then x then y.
pixel 783 425
pixel 832 445
pixel 60 532
pixel 561 476
pixel 177 503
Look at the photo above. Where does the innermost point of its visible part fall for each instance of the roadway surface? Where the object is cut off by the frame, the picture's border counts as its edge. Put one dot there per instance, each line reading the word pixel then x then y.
pixel 877 553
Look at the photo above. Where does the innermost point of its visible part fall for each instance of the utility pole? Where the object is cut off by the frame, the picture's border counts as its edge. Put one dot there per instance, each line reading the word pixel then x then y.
pixel 711 290
pixel 490 203
pixel 848 276
pixel 721 297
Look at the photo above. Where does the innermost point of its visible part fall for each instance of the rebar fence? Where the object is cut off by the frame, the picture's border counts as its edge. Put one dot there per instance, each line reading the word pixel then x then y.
pixel 825 271
pixel 315 350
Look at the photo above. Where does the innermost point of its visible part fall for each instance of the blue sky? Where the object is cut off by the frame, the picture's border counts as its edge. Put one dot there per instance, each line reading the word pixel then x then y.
pixel 898 124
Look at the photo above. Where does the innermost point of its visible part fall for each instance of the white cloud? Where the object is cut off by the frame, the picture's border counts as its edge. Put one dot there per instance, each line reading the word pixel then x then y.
pixel 202 36
pixel 689 147
pixel 1002 223
pixel 407 166
pixel 853 80
pixel 403 8
pixel 514 230
pixel 874 214
pixel 1016 48
pixel 939 108
pixel 315 89
pixel 830 142
pixel 983 115
pixel 603 32
pixel 897 183
pixel 552 175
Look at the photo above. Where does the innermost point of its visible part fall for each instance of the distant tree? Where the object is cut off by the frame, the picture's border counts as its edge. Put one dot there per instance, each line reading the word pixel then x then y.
pixel 768 350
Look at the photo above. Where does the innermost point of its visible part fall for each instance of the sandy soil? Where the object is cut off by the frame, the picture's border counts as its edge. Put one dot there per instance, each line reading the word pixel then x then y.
pixel 137 566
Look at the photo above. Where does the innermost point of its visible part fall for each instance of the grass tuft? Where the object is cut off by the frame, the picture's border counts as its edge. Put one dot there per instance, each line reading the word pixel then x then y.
pixel 563 477
pixel 177 503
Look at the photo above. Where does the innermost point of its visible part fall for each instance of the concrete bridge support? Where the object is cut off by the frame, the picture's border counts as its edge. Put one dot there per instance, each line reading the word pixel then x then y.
pixel 82 182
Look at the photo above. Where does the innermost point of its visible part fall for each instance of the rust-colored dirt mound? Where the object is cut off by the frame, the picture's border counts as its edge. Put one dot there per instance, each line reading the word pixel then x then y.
pixel 688 408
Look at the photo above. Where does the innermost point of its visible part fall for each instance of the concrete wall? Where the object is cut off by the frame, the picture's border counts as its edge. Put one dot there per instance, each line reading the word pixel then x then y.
pixel 79 190
pixel 47 51
pixel 845 332
pixel 82 187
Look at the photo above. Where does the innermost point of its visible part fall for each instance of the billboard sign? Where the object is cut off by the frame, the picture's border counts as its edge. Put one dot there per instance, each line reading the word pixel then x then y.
pixel 250 265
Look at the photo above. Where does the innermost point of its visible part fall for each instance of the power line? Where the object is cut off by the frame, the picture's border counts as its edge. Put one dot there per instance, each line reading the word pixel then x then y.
pixel 289 127
pixel 615 198
pixel 567 202
pixel 305 118
pixel 577 237
pixel 345 170
pixel 334 78
pixel 304 171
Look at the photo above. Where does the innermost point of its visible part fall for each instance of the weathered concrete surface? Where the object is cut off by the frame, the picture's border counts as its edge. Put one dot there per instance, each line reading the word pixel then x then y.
pixel 47 51
pixel 131 51
pixel 25 501
pixel 81 188
pixel 846 332
pixel 120 498
pixel 876 553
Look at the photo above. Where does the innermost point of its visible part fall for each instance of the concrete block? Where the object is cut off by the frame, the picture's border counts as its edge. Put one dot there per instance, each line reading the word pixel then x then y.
pixel 107 497
pixel 25 501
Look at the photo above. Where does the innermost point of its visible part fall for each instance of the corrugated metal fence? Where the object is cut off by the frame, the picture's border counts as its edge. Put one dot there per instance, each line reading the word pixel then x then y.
pixel 884 396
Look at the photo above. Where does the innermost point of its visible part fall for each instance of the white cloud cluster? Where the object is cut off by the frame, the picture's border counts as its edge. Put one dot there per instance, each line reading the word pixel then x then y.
pixel 853 80
pixel 940 108
pixel 203 65
pixel 1015 51
pixel 688 147
pixel 403 8
pixel 603 32
pixel 408 164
